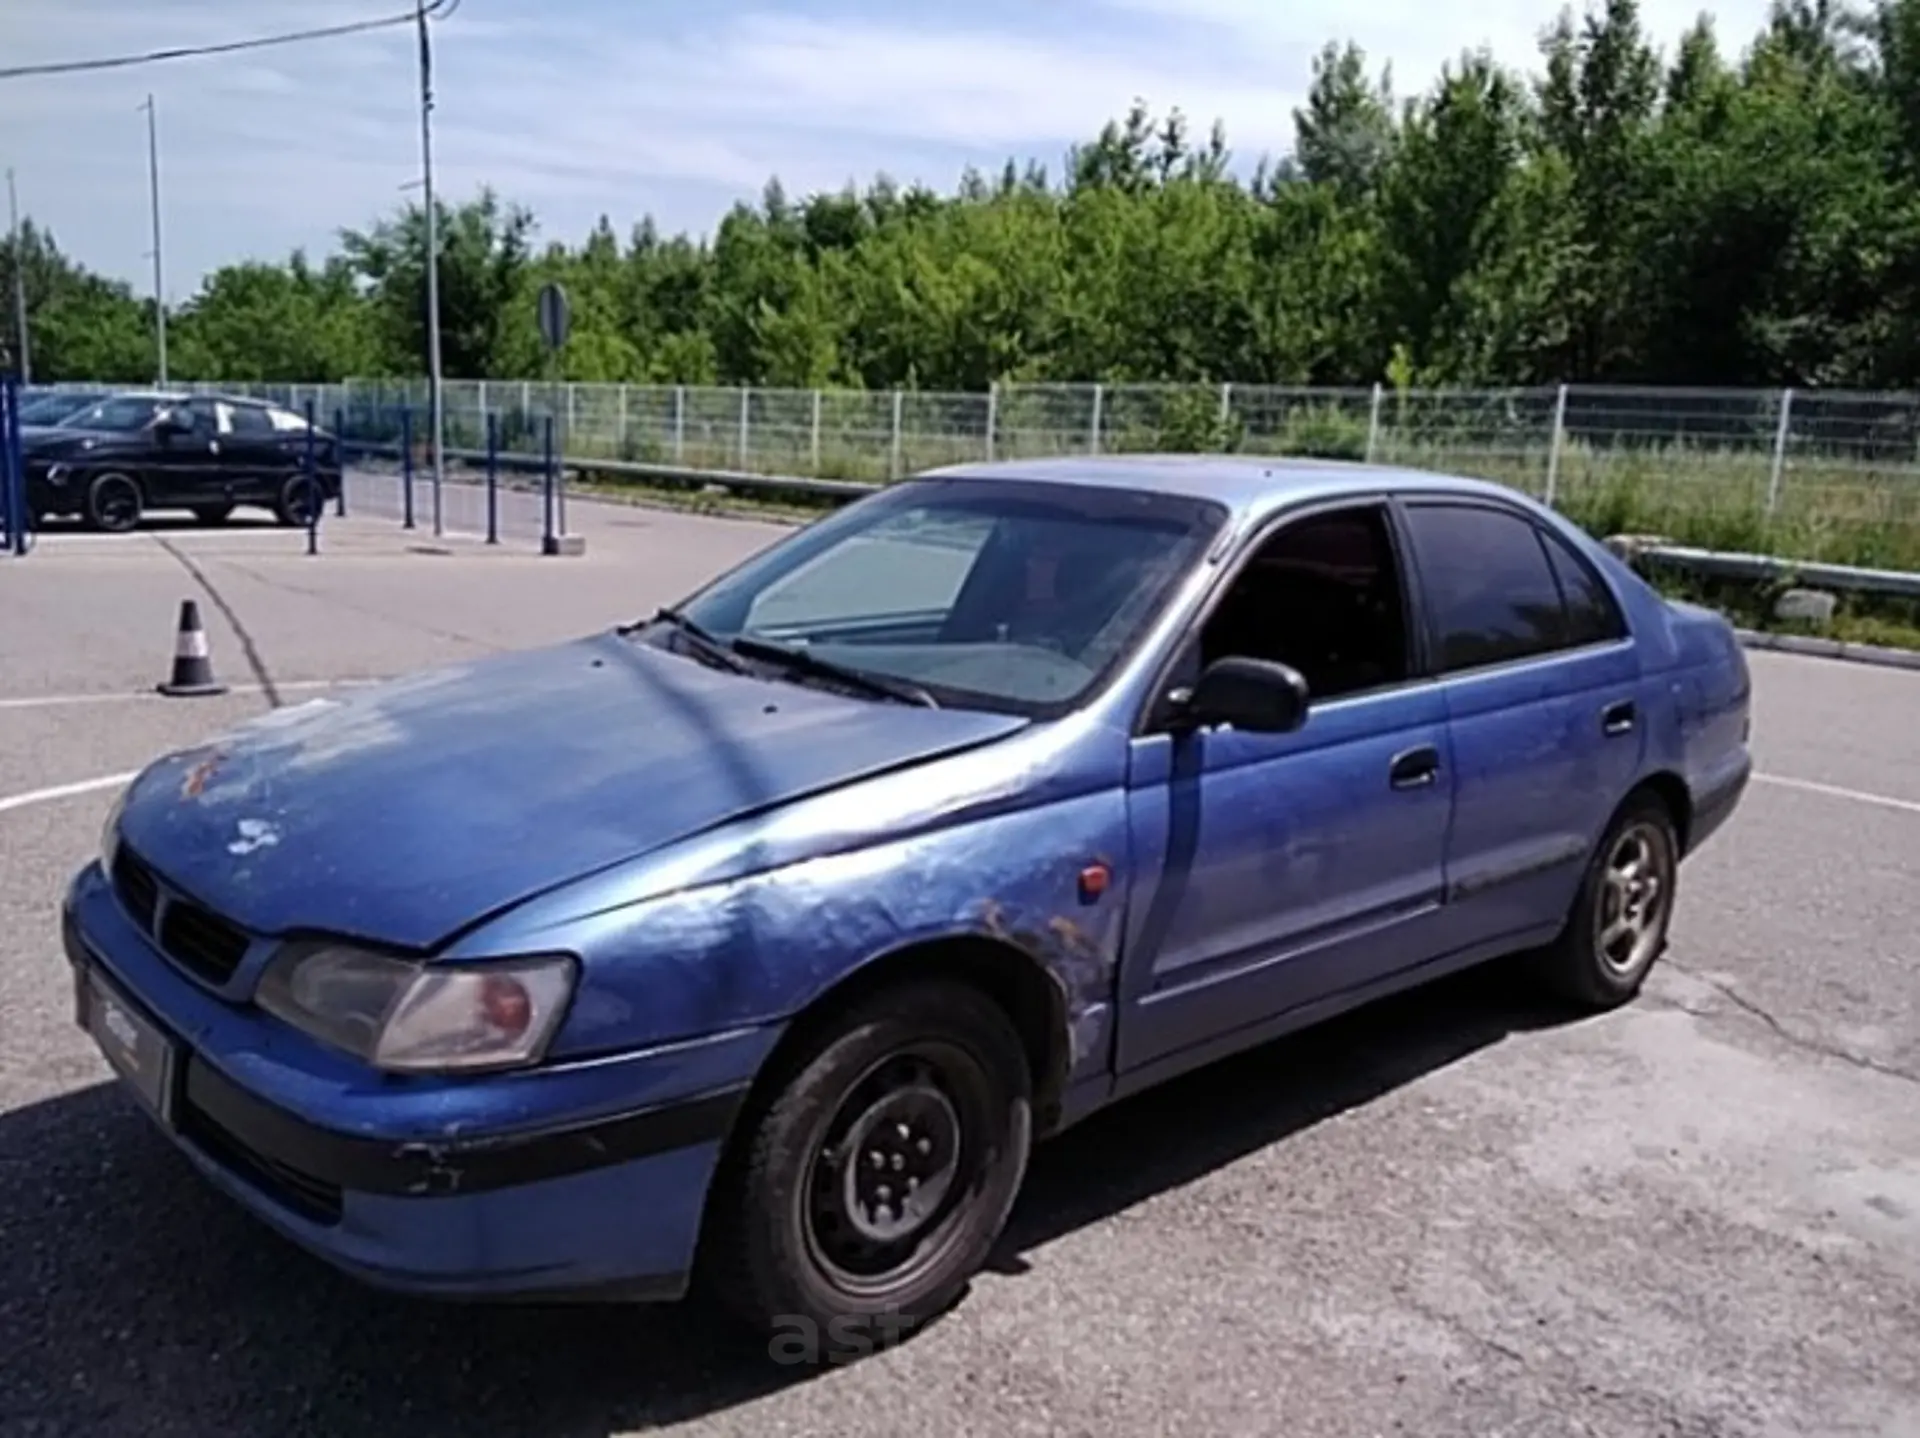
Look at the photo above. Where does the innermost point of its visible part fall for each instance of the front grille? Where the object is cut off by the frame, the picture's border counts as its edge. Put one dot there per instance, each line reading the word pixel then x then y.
pixel 196 939
pixel 139 892
pixel 312 1198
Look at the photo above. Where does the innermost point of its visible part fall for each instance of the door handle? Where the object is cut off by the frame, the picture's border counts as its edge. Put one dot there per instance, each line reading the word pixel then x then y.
pixel 1618 718
pixel 1415 769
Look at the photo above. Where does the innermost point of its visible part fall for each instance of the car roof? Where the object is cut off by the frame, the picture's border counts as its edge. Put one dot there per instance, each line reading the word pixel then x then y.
pixel 1248 485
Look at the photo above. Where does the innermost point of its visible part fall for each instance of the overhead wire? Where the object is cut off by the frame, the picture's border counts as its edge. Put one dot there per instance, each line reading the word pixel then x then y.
pixel 436 10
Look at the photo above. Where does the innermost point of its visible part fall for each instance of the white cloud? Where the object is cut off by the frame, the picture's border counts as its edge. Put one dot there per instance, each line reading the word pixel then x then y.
pixel 582 109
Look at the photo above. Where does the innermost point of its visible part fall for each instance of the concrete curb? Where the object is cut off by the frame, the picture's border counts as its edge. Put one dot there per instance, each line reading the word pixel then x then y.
pixel 1809 644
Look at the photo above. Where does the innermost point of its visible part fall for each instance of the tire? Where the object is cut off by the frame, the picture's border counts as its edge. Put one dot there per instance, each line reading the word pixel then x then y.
pixel 1580 967
pixel 783 1249
pixel 114 502
pixel 212 513
pixel 290 507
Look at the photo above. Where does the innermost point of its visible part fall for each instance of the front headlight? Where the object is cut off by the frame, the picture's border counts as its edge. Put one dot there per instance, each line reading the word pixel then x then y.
pixel 410 1017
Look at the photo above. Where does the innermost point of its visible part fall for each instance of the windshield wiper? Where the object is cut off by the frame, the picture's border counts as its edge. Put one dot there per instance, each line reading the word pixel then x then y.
pixel 706 645
pixel 800 661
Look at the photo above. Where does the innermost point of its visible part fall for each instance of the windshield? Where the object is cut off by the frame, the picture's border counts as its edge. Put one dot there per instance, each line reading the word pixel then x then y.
pixel 996 594
pixel 125 413
pixel 51 408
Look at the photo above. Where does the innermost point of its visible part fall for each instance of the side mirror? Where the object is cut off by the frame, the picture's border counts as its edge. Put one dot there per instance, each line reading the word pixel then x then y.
pixel 1256 695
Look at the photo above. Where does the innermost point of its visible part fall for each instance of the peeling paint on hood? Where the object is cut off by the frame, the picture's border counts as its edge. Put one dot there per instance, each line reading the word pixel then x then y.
pixel 408 810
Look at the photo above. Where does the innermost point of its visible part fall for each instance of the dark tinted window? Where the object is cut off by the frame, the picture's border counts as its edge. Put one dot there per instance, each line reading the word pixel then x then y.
pixel 1592 616
pixel 249 419
pixel 118 415
pixel 1491 596
pixel 1323 596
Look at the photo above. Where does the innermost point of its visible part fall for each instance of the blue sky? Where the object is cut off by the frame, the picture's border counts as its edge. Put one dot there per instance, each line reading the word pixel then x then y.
pixel 668 107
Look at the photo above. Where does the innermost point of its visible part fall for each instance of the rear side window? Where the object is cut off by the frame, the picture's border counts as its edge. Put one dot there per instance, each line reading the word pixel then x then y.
pixel 1491 594
pixel 1592 615
pixel 250 419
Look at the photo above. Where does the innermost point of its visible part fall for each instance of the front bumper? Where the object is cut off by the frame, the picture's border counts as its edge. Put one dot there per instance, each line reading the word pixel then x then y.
pixel 582 1180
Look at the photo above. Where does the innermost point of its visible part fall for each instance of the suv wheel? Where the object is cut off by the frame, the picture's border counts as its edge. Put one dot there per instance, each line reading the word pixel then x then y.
pixel 113 502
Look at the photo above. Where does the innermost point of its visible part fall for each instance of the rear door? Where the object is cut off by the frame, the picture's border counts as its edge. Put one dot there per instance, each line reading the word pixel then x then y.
pixel 252 453
pixel 1540 680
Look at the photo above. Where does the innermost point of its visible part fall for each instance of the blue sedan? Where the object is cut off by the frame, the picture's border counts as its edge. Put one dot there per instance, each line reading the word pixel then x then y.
pixel 751 946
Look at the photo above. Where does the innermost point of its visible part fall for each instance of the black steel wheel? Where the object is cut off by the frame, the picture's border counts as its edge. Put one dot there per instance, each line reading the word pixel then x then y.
pixel 1618 927
pixel 114 502
pixel 867 1188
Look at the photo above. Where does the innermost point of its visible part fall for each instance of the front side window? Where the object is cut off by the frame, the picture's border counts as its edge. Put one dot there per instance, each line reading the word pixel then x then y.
pixel 999 594
pixel 1323 597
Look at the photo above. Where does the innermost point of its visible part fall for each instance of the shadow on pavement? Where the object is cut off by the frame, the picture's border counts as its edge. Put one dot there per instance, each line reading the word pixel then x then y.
pixel 170 524
pixel 136 1299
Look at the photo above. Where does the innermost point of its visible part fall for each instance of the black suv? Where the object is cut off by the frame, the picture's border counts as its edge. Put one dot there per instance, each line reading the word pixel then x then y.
pixel 130 453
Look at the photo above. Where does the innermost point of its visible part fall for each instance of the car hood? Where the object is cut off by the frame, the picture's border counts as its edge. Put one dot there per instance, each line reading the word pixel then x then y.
pixel 405 812
pixel 53 441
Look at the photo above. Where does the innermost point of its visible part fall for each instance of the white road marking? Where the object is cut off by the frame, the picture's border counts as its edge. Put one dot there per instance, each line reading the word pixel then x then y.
pixel 65 791
pixel 1833 791
pixel 56 701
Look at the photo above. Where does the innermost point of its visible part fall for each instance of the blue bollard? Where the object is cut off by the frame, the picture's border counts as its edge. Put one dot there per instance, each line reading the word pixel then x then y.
pixel 547 543
pixel 316 501
pixel 340 448
pixel 406 460
pixel 493 477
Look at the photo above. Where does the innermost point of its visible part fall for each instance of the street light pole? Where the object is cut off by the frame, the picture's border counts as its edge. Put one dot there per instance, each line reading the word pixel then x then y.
pixel 434 407
pixel 19 281
pixel 159 280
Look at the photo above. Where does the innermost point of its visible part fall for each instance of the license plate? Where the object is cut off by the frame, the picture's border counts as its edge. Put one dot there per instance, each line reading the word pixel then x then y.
pixel 138 1051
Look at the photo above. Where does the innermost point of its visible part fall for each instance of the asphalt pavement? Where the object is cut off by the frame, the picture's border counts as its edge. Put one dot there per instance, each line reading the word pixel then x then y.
pixel 1455 1213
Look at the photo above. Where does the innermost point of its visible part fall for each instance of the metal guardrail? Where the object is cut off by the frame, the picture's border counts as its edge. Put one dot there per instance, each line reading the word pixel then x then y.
pixel 1732 565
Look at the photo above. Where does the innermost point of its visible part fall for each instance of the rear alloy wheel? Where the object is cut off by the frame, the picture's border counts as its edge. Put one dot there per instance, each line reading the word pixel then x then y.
pixel 298 502
pixel 113 503
pixel 864 1195
pixel 212 513
pixel 1620 917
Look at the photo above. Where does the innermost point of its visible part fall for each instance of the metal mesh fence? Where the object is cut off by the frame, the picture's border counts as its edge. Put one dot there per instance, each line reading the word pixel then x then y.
pixel 1828 459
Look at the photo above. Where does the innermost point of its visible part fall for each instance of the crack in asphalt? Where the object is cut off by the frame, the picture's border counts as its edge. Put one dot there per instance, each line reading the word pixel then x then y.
pixel 1798 1040
pixel 248 648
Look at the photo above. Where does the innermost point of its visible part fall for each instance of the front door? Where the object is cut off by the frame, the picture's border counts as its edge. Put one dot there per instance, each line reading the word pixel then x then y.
pixel 1277 870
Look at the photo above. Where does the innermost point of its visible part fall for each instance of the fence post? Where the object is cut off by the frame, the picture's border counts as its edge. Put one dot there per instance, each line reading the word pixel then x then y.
pixel 566 435
pixel 993 416
pixel 406 463
pixel 1373 423
pixel 1780 449
pixel 620 425
pixel 1554 444
pixel 1226 402
pixel 679 424
pixel 1093 429
pixel 13 473
pixel 340 446
pixel 493 478
pixel 814 433
pixel 746 409
pixel 893 452
pixel 316 501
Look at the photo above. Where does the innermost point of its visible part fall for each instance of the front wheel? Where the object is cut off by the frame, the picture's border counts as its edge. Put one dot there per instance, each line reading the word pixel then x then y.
pixel 864 1193
pixel 113 503
pixel 1620 917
